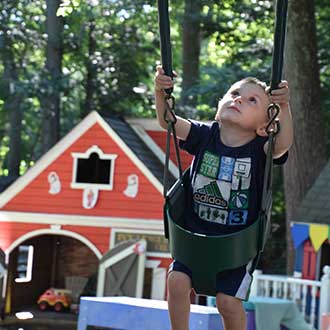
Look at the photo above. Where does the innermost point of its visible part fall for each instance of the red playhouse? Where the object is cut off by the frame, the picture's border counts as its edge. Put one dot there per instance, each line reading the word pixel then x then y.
pixel 87 217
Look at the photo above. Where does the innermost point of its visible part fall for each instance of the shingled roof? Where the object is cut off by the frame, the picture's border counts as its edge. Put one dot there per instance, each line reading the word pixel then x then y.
pixel 138 146
pixel 315 207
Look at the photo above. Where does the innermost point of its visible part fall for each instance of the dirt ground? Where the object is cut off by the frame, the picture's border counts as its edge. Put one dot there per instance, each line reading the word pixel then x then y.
pixel 47 320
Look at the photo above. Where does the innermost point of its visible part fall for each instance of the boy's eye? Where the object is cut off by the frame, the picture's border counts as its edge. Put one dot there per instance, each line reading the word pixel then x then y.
pixel 253 99
pixel 234 93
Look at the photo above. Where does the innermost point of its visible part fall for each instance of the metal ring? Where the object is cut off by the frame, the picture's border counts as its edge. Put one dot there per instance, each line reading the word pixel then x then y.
pixel 169 107
pixel 273 125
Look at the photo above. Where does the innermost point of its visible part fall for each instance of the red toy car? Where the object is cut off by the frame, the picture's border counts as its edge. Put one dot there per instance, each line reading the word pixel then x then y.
pixel 59 299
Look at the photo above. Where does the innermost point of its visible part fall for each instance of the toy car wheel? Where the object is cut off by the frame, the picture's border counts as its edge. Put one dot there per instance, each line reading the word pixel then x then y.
pixel 43 305
pixel 58 307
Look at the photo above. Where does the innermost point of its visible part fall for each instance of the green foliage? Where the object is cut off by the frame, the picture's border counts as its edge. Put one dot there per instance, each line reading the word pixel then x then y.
pixel 22 43
pixel 67 7
pixel 238 39
pixel 123 60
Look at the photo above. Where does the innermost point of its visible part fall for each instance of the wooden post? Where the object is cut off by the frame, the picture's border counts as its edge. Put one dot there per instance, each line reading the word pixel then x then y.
pixel 325 294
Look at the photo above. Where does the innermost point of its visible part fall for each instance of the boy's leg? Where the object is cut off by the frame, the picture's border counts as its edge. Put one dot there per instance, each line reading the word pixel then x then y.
pixel 232 312
pixel 178 296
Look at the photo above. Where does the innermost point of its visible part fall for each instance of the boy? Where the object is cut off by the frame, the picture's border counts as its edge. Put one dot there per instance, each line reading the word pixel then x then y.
pixel 230 155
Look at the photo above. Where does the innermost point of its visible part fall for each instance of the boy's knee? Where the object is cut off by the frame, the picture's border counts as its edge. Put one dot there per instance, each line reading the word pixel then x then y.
pixel 229 307
pixel 178 283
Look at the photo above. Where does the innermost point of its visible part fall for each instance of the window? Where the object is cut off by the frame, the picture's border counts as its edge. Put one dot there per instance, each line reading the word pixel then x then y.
pixel 24 263
pixel 93 168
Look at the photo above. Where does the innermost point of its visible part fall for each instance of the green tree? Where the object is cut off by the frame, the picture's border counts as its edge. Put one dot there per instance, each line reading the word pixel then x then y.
pixel 17 42
pixel 11 81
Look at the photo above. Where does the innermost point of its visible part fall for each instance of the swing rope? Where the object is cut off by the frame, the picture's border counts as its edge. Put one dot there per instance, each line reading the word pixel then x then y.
pixel 169 100
pixel 253 238
pixel 273 110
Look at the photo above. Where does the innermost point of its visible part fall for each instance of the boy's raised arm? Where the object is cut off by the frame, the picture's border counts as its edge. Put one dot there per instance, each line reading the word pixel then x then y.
pixel 163 82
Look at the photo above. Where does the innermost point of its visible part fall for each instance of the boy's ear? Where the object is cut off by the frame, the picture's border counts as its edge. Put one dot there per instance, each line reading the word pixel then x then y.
pixel 261 131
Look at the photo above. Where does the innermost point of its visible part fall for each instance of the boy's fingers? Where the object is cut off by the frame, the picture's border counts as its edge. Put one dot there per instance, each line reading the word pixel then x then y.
pixel 280 95
pixel 282 86
pixel 283 83
pixel 160 69
pixel 282 91
pixel 279 99
pixel 164 79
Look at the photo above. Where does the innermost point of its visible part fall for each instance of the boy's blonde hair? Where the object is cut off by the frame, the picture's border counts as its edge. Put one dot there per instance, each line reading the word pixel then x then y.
pixel 255 81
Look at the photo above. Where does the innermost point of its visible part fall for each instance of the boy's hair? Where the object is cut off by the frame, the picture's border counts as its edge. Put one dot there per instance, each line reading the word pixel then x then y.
pixel 255 81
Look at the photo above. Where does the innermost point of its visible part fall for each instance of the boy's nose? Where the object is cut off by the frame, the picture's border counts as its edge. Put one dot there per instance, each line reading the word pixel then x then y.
pixel 238 99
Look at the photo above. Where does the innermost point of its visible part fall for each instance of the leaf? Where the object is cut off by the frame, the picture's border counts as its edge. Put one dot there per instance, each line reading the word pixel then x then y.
pixel 67 7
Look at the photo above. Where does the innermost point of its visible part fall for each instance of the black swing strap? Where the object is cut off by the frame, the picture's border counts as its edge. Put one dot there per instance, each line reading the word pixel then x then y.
pixel 165 39
pixel 273 110
pixel 169 114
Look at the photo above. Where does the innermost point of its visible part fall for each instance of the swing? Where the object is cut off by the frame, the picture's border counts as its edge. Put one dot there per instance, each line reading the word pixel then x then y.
pixel 239 248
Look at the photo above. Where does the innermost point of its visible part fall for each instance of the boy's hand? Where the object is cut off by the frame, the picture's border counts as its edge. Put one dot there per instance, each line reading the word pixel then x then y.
pixel 161 80
pixel 281 95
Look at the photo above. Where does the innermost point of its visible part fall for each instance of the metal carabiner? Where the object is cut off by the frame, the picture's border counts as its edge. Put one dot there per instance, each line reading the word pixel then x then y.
pixel 169 109
pixel 273 126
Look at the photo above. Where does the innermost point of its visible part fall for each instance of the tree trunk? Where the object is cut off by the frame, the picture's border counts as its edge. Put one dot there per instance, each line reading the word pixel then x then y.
pixel 307 156
pixel 50 99
pixel 91 71
pixel 12 106
pixel 191 50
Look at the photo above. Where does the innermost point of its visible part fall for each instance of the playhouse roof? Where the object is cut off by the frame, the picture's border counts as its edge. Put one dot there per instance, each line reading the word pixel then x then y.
pixel 30 192
pixel 315 207
pixel 138 146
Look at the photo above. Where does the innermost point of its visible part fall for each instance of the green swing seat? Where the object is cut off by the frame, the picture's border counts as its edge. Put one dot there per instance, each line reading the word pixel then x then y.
pixel 207 255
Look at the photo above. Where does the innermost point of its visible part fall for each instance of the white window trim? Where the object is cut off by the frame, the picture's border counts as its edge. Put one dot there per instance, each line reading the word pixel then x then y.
pixel 29 267
pixel 86 155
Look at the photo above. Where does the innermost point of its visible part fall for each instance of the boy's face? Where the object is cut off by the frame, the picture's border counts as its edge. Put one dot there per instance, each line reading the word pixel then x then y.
pixel 244 105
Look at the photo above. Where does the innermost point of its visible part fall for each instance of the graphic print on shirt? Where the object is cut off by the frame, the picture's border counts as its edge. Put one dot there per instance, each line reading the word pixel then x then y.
pixel 221 189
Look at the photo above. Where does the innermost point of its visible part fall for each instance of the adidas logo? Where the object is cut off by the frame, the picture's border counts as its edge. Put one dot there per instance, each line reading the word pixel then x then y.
pixel 210 195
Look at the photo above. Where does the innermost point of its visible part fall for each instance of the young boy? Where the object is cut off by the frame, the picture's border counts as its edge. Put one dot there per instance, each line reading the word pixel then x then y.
pixel 230 155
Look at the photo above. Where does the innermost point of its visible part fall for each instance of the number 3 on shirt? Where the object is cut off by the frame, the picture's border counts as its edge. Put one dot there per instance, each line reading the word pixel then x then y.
pixel 238 217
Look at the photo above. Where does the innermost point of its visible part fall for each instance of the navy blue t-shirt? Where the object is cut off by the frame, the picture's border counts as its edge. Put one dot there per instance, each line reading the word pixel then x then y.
pixel 226 182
